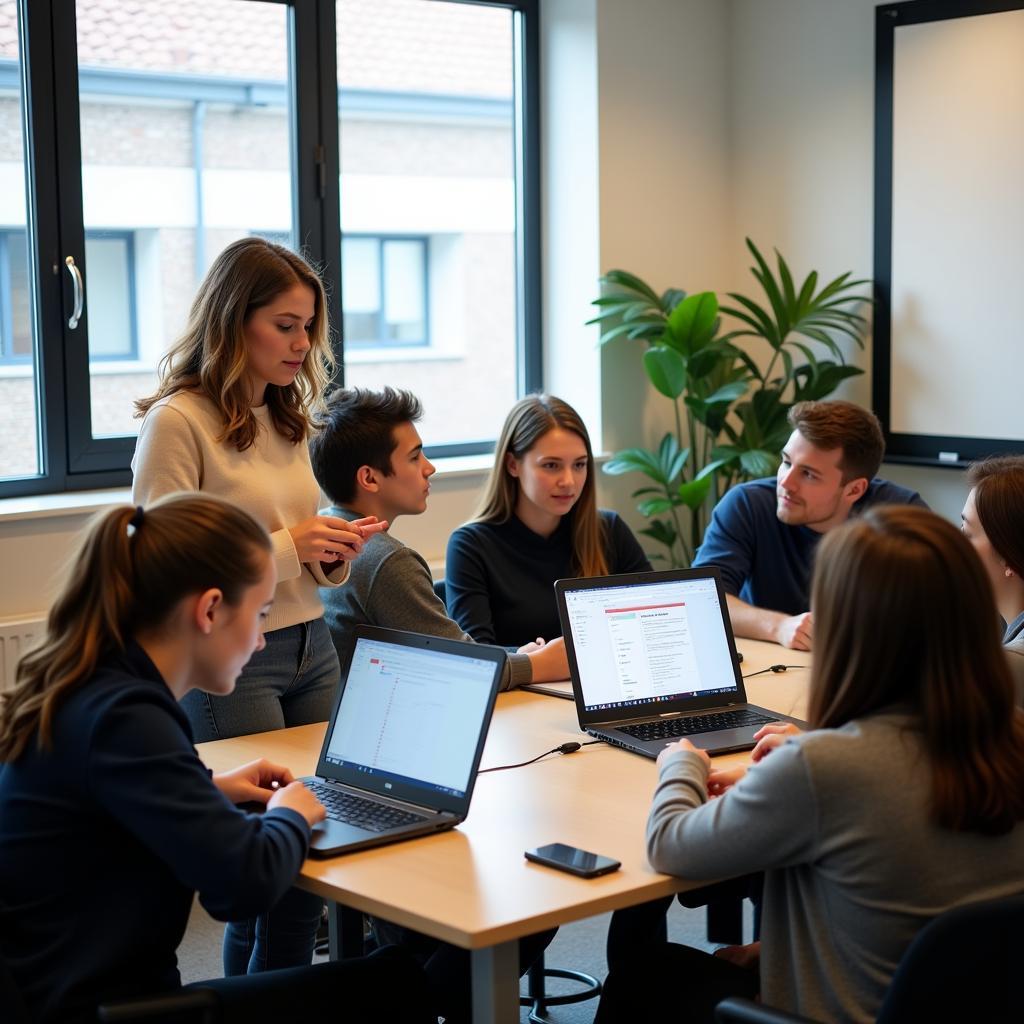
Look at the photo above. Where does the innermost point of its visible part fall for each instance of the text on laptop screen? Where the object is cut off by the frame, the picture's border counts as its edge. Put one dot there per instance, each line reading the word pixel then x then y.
pixel 411 715
pixel 649 642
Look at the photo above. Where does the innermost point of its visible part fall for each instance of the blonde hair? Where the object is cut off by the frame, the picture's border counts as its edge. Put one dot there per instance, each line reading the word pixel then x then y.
pixel 904 614
pixel 130 570
pixel 529 420
pixel 212 357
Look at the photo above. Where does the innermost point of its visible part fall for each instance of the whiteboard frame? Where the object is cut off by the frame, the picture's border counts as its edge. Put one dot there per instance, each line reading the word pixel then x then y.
pixel 920 449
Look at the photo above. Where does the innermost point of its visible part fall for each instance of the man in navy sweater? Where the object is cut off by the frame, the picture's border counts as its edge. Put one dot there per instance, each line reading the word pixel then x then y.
pixel 763 534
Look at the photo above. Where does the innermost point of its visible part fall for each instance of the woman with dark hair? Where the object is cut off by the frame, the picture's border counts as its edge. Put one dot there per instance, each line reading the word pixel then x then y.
pixel 875 821
pixel 110 821
pixel 538 522
pixel 232 417
pixel 993 521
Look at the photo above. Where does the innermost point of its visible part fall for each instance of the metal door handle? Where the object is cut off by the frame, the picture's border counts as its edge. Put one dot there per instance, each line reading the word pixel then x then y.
pixel 79 285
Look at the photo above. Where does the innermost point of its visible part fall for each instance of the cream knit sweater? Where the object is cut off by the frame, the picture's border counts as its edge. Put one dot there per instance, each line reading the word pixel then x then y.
pixel 273 481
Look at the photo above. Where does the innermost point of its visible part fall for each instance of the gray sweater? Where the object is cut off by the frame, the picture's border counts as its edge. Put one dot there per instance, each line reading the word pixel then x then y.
pixel 838 819
pixel 390 585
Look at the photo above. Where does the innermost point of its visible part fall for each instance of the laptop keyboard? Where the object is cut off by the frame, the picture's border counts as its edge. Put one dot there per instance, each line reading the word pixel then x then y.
pixel 672 728
pixel 356 810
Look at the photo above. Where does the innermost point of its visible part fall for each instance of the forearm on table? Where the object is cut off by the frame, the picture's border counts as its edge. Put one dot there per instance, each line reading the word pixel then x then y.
pixel 752 622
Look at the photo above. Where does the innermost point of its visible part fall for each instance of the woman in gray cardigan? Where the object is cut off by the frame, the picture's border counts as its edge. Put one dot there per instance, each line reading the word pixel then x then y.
pixel 993 515
pixel 876 820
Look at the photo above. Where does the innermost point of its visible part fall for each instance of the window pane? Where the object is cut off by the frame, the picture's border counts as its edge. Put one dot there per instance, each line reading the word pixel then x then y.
pixel 186 146
pixel 19 452
pixel 427 152
pixel 111 327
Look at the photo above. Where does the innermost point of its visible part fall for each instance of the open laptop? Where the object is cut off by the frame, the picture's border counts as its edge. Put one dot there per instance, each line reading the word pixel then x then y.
pixel 404 743
pixel 652 659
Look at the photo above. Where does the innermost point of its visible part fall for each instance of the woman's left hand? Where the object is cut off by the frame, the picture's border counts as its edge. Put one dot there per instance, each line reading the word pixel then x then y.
pixel 721 779
pixel 255 782
pixel 674 748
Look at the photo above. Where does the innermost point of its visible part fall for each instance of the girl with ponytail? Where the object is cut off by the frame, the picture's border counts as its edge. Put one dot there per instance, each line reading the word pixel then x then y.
pixel 110 820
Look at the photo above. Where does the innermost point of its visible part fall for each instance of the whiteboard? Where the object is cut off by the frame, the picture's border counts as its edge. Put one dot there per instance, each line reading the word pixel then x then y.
pixel 949 331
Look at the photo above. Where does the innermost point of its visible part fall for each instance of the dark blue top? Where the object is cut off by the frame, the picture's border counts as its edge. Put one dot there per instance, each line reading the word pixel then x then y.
pixel 106 837
pixel 499 577
pixel 764 561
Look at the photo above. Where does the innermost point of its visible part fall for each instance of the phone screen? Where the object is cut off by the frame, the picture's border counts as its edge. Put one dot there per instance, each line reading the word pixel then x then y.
pixel 572 859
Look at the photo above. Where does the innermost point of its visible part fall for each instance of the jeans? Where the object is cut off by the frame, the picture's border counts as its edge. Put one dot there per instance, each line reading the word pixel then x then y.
pixel 292 681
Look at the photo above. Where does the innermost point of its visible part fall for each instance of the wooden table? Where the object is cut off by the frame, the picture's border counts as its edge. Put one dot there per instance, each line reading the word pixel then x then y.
pixel 471 886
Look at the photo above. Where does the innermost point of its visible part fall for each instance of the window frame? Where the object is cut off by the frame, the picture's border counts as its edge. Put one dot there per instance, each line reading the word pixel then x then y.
pixel 69 457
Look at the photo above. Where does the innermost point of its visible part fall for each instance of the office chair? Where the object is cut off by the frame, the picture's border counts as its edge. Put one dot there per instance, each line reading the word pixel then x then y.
pixel 963 965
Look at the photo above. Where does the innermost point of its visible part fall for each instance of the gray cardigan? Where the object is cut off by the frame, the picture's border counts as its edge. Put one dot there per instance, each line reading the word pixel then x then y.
pixel 838 819
pixel 390 585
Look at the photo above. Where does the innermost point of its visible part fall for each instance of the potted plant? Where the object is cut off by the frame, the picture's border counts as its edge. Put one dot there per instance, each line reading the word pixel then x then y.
pixel 734 412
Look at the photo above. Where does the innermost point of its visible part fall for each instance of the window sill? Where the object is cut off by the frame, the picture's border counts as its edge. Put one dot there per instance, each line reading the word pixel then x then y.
pixel 85 503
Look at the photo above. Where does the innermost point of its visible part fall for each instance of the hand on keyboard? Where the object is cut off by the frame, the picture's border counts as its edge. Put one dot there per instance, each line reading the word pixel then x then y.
pixel 683 744
pixel 296 797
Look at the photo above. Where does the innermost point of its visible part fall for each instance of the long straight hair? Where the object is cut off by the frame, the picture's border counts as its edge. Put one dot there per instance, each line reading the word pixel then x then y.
pixel 904 615
pixel 125 579
pixel 212 356
pixel 529 420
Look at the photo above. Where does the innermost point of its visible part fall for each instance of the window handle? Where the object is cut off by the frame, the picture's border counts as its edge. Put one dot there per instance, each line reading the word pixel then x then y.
pixel 79 285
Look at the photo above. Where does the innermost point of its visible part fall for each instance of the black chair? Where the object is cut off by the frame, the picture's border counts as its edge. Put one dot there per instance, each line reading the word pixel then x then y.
pixel 963 966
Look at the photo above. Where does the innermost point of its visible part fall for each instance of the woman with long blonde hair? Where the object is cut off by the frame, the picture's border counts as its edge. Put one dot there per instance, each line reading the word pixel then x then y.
pixel 877 819
pixel 111 823
pixel 538 522
pixel 231 417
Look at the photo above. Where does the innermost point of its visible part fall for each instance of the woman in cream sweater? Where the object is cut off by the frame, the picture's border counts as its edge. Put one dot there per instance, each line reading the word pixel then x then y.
pixel 232 417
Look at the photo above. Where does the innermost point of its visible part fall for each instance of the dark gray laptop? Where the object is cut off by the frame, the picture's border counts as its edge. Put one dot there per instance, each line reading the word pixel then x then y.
pixel 652 659
pixel 404 743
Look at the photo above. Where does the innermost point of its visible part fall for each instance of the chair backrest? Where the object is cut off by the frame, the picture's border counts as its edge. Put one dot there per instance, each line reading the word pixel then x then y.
pixel 964 965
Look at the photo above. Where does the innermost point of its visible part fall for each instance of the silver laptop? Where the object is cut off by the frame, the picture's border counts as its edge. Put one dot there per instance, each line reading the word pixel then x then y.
pixel 652 659
pixel 404 743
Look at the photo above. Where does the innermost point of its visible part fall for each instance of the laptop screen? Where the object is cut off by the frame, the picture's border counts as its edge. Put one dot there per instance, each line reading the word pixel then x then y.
pixel 646 642
pixel 411 716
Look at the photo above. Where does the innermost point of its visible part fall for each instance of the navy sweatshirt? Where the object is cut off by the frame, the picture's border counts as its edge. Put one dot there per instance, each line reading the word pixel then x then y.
pixel 499 577
pixel 764 561
pixel 105 838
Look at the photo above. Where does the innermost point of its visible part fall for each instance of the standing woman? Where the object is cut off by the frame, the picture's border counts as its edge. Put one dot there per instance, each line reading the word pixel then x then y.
pixel 538 522
pixel 110 820
pixel 232 417
pixel 879 818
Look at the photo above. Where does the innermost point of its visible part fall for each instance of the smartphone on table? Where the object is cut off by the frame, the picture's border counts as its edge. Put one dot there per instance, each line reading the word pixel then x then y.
pixel 572 859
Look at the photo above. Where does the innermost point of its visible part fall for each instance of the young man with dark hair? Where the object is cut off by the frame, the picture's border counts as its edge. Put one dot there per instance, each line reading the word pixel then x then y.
pixel 763 534
pixel 368 455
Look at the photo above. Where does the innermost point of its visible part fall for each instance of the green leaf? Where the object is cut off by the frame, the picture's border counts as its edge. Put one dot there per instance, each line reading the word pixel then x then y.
pixel 694 492
pixel 624 279
pixel 636 460
pixel 662 531
pixel 757 462
pixel 614 332
pixel 666 370
pixel 728 392
pixel 671 298
pixel 671 458
pixel 691 324
pixel 655 506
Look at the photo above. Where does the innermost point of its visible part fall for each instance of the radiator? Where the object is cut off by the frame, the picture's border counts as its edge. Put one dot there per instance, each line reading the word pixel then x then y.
pixel 16 637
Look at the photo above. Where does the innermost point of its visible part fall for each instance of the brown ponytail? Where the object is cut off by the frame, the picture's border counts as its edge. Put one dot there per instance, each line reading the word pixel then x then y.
pixel 130 571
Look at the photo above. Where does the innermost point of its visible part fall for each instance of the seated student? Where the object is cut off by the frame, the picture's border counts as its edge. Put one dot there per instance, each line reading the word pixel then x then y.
pixel 110 820
pixel 763 534
pixel 538 522
pixel 993 517
pixel 368 454
pixel 877 820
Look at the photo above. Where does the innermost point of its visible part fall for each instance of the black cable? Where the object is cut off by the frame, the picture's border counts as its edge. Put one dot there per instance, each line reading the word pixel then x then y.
pixel 563 748
pixel 772 668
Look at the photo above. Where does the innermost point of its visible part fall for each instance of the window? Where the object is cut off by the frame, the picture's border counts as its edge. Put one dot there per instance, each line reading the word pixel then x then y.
pixel 384 291
pixel 184 126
